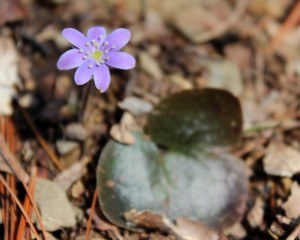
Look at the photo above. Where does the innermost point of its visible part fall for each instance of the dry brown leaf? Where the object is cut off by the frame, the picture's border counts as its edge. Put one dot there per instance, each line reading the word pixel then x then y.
pixel 136 106
pixel 66 178
pixel 146 219
pixel 256 214
pixel 292 206
pixel 150 65
pixel 12 11
pixel 8 73
pixel 237 231
pixel 56 209
pixel 192 230
pixel 102 224
pixel 281 160
pixel 122 132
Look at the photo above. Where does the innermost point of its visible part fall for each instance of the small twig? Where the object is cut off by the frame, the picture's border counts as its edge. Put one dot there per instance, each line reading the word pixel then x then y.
pixel 42 141
pixel 20 207
pixel 92 210
pixel 288 24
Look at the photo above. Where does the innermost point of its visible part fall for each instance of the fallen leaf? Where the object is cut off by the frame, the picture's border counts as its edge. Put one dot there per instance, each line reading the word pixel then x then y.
pixel 122 132
pixel 55 208
pixel 146 219
pixel 12 11
pixel 76 131
pixel 256 214
pixel 150 65
pixel 281 160
pixel 237 231
pixel 225 75
pixel 66 178
pixel 136 106
pixel 8 74
pixel 192 230
pixel 292 206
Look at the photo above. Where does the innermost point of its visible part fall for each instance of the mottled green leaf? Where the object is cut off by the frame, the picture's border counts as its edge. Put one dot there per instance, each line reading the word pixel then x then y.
pixel 190 118
pixel 199 186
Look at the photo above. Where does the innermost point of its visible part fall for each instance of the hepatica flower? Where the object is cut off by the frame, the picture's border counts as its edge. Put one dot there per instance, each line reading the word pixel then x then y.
pixel 94 53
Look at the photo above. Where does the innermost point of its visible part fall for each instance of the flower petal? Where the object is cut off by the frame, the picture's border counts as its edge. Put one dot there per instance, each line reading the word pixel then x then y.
pixel 70 59
pixel 75 37
pixel 120 60
pixel 83 74
pixel 94 33
pixel 118 38
pixel 102 77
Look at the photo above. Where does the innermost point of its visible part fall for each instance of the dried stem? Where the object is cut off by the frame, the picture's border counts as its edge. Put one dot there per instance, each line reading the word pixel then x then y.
pixel 89 224
pixel 85 99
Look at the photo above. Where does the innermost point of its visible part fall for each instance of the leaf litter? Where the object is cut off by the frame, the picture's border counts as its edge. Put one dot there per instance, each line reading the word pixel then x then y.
pixel 267 86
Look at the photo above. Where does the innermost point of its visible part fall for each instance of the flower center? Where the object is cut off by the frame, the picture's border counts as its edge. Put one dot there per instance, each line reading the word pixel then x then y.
pixel 97 55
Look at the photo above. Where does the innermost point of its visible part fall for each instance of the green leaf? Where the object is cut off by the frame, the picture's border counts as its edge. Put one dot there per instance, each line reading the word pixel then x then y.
pixel 208 117
pixel 207 187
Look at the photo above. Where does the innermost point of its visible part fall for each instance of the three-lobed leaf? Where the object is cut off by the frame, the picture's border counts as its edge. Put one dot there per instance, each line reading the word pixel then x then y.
pixel 192 118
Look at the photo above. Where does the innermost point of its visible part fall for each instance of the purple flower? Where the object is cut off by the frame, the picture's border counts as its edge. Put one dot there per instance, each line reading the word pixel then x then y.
pixel 93 53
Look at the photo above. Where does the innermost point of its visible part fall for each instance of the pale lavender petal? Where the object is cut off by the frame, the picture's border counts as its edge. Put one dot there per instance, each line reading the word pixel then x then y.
pixel 102 77
pixel 95 33
pixel 120 60
pixel 75 37
pixel 70 59
pixel 84 73
pixel 118 38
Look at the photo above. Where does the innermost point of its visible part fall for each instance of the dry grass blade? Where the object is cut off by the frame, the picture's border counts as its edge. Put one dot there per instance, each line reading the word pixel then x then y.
pixel 20 207
pixel 89 224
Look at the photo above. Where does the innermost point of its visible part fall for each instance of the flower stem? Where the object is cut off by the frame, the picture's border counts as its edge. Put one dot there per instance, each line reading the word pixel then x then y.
pixel 85 98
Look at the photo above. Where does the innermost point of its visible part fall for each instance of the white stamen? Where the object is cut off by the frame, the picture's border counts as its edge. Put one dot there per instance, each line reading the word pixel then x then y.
pixel 90 66
pixel 80 50
pixel 87 44
pixel 106 51
pixel 101 36
pixel 107 58
pixel 84 57
pixel 102 61
pixel 98 64
pixel 113 46
pixel 95 43
pixel 88 52
pixel 105 43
